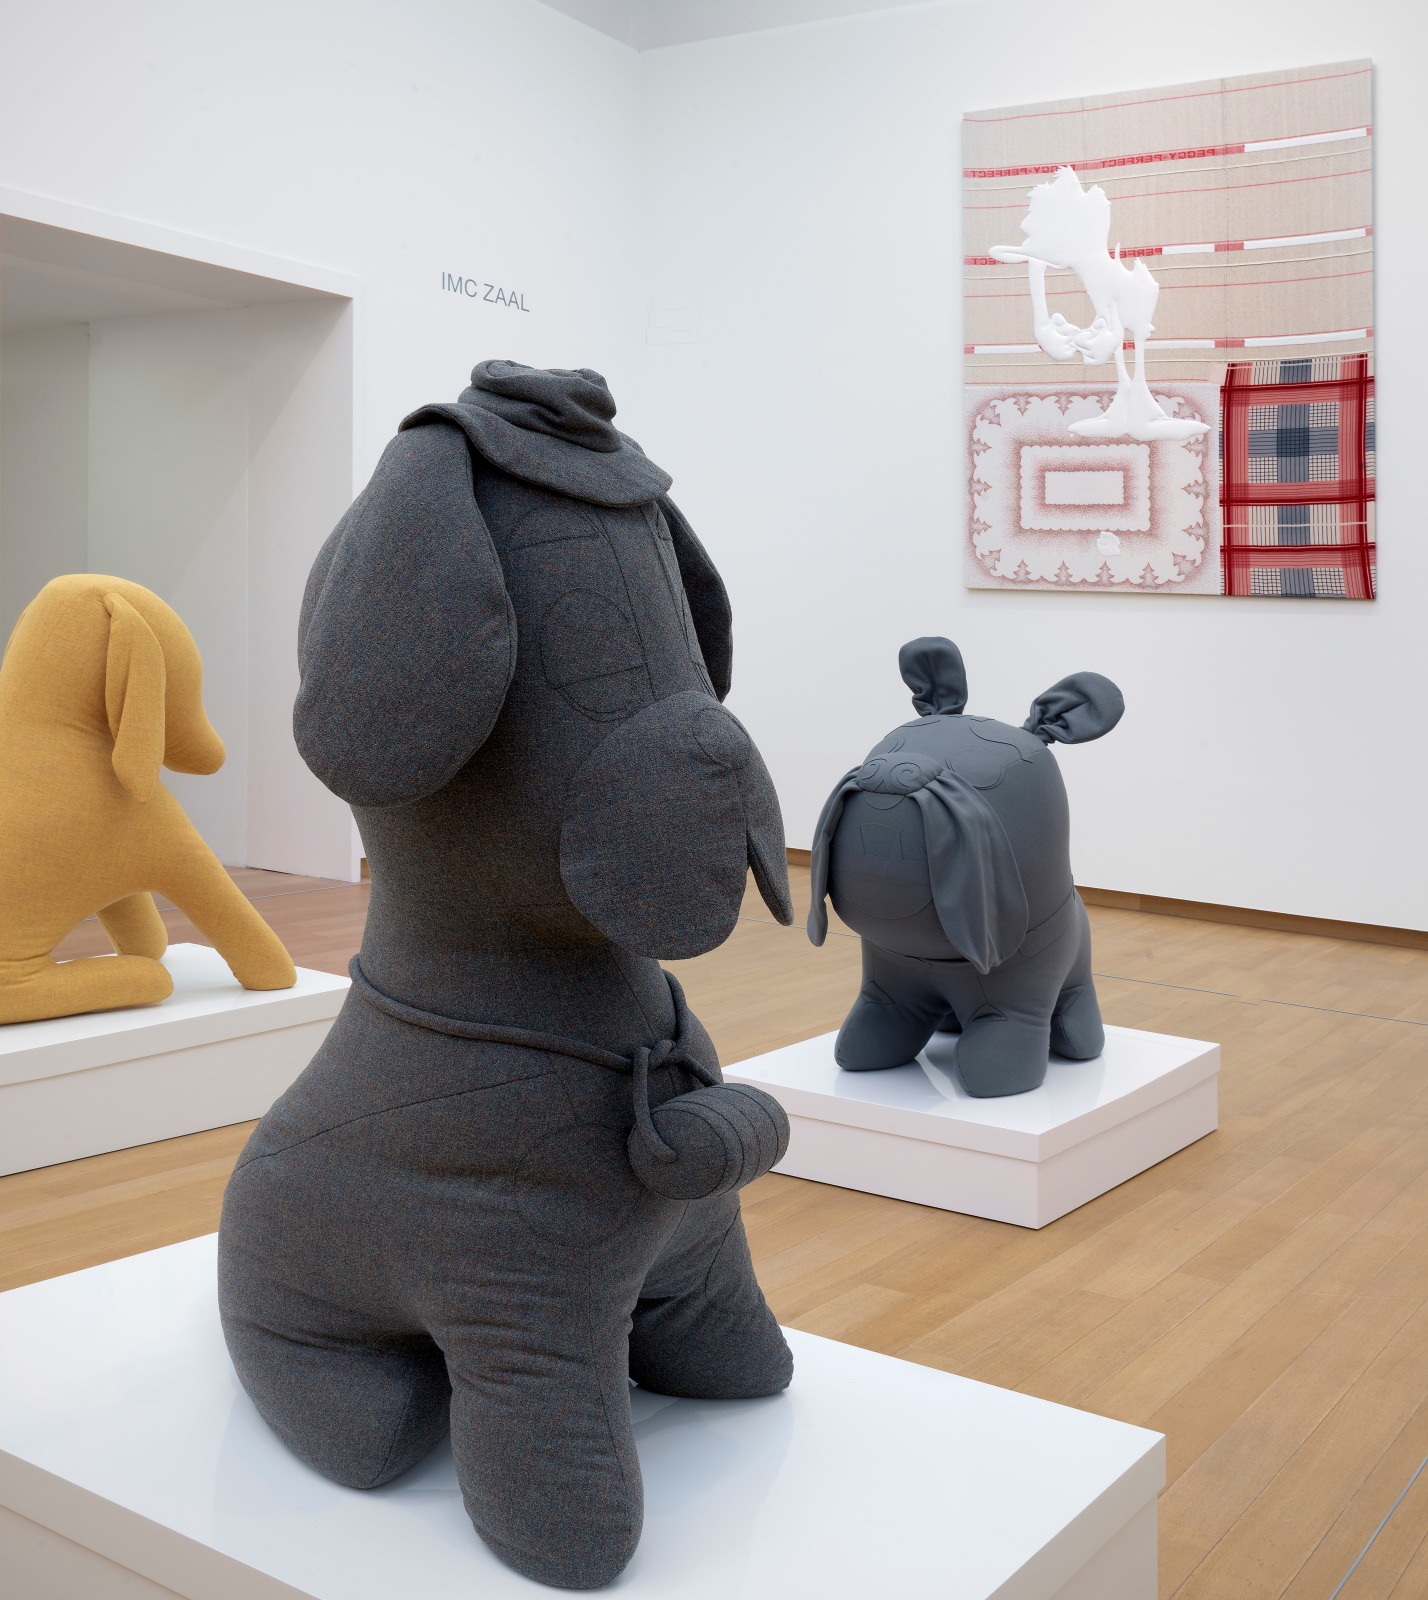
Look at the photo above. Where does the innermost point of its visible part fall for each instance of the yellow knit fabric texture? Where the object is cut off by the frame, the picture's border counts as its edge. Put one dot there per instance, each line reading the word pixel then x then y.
pixel 100 686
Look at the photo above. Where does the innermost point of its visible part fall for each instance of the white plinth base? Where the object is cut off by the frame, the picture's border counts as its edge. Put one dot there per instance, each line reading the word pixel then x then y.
pixel 133 1468
pixel 211 1054
pixel 914 1133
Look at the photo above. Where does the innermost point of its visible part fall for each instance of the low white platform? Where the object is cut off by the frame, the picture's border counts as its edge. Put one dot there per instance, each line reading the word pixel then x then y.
pixel 211 1054
pixel 914 1133
pixel 132 1467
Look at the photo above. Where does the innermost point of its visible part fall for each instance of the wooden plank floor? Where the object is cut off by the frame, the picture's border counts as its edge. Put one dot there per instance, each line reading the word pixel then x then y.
pixel 1262 1297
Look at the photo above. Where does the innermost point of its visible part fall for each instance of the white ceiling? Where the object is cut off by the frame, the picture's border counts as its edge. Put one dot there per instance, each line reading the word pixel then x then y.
pixel 648 24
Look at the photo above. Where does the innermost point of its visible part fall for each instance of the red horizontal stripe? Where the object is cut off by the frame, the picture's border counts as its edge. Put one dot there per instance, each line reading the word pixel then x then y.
pixel 1164 99
pixel 1146 158
pixel 1239 343
pixel 1126 255
pixel 1129 252
pixel 1243 392
pixel 1204 188
pixel 1041 168
pixel 1256 283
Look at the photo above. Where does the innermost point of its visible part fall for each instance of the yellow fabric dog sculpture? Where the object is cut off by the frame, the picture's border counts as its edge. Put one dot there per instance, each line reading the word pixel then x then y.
pixel 100 686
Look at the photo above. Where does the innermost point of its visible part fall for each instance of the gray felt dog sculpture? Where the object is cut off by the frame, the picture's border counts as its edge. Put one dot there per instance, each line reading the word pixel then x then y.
pixel 506 1184
pixel 948 852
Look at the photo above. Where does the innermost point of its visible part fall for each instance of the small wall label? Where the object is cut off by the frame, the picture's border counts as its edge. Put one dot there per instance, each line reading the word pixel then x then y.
pixel 490 294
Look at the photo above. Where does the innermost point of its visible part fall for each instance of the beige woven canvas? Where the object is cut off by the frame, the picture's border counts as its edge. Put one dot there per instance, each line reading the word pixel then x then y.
pixel 1249 200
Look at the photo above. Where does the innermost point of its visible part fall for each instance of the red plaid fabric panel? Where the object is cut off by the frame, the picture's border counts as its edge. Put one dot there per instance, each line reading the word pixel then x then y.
pixel 1297 478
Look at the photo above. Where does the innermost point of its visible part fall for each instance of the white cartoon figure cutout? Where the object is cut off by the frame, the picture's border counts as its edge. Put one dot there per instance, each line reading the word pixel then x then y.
pixel 1066 226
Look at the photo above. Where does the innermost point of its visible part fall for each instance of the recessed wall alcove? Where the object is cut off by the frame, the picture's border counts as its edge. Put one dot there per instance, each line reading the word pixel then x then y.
pixel 179 412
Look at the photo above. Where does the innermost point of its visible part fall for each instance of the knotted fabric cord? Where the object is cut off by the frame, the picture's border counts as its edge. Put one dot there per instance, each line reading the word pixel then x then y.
pixel 647 1059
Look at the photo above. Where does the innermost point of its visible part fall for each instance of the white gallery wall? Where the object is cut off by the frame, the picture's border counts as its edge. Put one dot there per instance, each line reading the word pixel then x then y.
pixel 757 239
pixel 176 518
pixel 44 453
pixel 494 139
pixel 490 142
pixel 300 368
pixel 211 479
pixel 807 183
pixel 203 453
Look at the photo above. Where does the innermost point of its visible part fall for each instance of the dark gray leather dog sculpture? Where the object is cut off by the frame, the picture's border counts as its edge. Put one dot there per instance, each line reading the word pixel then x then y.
pixel 948 851
pixel 506 1184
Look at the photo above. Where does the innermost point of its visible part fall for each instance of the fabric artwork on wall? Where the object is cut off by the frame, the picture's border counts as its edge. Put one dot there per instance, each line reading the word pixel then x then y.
pixel 1047 510
pixel 1298 471
pixel 1169 339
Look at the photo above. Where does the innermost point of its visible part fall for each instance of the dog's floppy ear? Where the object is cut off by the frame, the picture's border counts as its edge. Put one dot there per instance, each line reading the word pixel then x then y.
pixel 407 642
pixel 828 822
pixel 708 599
pixel 976 882
pixel 1079 708
pixel 134 683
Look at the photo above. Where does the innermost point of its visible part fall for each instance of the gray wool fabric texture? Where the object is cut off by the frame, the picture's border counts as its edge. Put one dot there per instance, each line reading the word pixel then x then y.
pixel 948 852
pixel 507 1183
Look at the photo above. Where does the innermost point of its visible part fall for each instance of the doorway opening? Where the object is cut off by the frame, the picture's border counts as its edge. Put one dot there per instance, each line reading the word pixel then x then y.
pixel 172 418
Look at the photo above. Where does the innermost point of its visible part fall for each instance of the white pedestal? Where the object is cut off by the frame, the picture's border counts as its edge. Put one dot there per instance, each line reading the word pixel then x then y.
pixel 132 1467
pixel 211 1054
pixel 914 1133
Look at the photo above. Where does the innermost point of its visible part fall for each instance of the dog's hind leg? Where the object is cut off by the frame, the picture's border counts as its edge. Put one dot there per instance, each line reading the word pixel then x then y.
pixel 360 1415
pixel 66 988
pixel 541 1432
pixel 135 927
pixel 701 1327
pixel 205 893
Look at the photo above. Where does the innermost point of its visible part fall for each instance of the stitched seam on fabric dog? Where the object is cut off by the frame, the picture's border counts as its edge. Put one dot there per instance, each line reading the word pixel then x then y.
pixel 551 1045
pixel 514 544
pixel 674 583
pixel 754 1103
pixel 590 1352
pixel 397 1431
pixel 404 1105
pixel 1023 951
pixel 637 1196
pixel 591 1344
pixel 674 1109
pixel 633 613
pixel 719 1251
